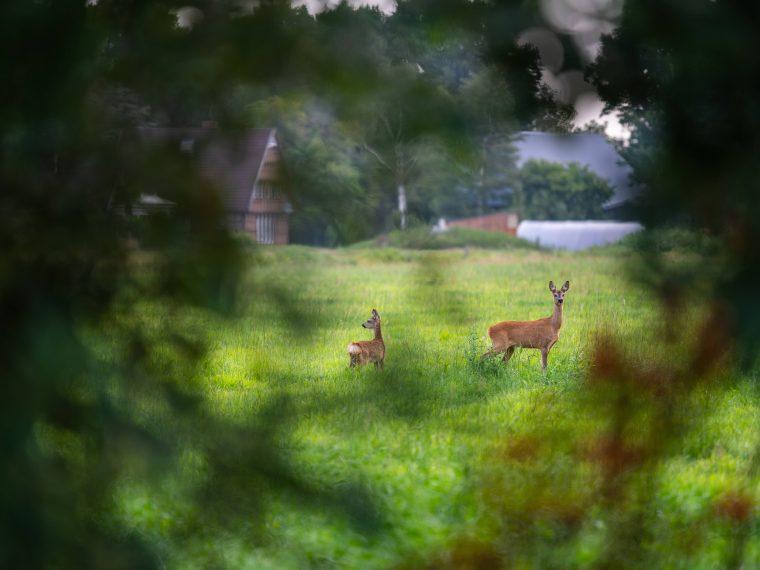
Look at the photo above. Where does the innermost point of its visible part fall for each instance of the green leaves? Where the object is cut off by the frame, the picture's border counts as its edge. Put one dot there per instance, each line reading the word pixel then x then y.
pixel 549 191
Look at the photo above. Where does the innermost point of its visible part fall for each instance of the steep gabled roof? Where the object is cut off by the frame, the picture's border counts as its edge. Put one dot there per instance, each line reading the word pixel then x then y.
pixel 231 161
pixel 589 149
pixel 234 163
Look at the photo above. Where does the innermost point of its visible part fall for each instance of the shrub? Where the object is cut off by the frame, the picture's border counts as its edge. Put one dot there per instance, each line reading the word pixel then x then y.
pixel 423 238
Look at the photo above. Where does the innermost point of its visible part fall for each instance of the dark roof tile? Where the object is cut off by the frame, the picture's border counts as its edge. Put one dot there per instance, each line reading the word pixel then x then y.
pixel 230 161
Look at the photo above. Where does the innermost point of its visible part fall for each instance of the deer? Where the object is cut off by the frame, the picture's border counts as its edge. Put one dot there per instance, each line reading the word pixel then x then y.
pixel 541 333
pixel 366 351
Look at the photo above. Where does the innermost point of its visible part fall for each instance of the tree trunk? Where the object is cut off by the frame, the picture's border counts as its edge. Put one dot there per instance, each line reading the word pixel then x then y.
pixel 402 205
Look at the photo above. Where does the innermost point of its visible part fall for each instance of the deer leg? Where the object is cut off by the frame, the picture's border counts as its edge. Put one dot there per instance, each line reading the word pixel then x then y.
pixel 544 357
pixel 508 354
pixel 353 361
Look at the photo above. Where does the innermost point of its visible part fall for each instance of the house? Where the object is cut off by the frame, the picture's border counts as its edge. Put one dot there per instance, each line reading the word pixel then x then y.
pixel 589 149
pixel 246 168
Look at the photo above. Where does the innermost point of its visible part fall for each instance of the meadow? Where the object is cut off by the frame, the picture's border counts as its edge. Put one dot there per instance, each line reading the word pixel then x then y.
pixel 452 451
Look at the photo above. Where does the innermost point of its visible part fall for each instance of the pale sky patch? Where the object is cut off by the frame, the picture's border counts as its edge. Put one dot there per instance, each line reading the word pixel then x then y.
pixel 590 108
pixel 314 6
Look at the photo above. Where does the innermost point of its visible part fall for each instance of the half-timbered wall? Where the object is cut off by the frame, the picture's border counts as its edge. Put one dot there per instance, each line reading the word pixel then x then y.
pixel 267 220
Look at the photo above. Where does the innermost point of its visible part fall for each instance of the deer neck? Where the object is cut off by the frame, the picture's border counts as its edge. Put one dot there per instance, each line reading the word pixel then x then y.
pixel 378 332
pixel 556 318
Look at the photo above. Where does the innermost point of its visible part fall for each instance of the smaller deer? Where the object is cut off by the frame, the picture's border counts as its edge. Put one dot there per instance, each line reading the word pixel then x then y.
pixel 366 351
pixel 541 333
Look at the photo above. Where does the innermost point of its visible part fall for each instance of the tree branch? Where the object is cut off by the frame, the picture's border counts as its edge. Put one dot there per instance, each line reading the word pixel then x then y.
pixel 377 155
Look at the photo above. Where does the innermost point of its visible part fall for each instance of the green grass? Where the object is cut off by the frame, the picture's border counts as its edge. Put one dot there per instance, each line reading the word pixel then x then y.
pixel 424 434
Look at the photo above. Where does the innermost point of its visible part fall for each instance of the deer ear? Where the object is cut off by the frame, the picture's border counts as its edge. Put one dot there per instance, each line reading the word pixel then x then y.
pixel 551 286
pixel 374 313
pixel 566 286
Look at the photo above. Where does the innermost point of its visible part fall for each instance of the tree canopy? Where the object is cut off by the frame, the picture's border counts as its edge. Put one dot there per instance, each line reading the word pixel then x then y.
pixel 550 191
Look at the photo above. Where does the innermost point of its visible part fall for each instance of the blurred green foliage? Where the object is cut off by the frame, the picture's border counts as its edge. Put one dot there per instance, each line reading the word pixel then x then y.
pixel 682 75
pixel 104 315
pixel 97 307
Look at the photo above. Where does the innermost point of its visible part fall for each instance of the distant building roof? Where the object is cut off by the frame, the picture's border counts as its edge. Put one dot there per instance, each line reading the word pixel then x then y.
pixel 232 161
pixel 589 149
pixel 150 204
pixel 575 235
pixel 235 162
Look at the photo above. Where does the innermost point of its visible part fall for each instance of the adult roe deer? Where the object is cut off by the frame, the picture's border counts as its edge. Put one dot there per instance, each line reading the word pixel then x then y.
pixel 366 351
pixel 541 333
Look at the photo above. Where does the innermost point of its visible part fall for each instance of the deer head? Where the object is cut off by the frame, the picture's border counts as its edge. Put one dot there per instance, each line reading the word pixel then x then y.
pixel 559 294
pixel 373 320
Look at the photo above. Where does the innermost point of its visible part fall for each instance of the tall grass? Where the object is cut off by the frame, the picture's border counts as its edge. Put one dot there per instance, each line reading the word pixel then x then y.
pixel 425 435
pixel 422 238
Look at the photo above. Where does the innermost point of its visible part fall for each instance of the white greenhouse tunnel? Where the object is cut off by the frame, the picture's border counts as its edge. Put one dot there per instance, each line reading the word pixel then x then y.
pixel 575 236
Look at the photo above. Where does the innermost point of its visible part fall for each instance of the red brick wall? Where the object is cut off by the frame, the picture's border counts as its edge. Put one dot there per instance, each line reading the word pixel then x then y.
pixel 504 222
pixel 281 230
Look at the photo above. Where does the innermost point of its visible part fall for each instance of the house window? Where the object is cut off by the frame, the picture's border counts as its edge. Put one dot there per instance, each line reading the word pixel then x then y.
pixel 264 191
pixel 265 228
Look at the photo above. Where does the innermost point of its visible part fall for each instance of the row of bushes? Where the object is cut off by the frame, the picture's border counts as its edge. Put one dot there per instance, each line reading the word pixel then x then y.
pixel 661 240
pixel 423 238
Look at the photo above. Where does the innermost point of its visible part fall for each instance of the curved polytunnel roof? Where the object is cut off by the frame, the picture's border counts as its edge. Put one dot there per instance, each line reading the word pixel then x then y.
pixel 575 235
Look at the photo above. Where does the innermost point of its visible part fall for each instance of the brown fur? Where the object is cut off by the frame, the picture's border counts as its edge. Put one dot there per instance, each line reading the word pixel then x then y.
pixel 365 351
pixel 541 334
